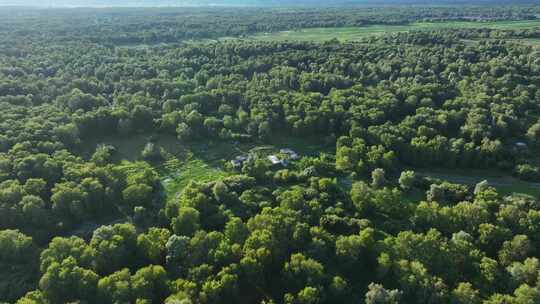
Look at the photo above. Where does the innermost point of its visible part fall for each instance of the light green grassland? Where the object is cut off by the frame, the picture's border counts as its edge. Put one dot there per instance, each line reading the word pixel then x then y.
pixel 357 33
pixel 176 174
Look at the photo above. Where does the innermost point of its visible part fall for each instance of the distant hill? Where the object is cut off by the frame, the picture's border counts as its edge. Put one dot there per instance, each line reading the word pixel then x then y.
pixel 265 3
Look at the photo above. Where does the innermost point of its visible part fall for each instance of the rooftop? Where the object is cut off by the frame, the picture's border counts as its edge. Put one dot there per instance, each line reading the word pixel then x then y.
pixel 274 159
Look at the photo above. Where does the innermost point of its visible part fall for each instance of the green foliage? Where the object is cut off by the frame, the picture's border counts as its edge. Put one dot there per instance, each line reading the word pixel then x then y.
pixel 115 288
pixel 18 264
pixel 377 178
pixel 65 282
pixel 407 180
pixel 187 222
pixel 112 247
pixel 152 245
pixel 137 195
pixel 150 283
pixel 81 100
pixel 152 152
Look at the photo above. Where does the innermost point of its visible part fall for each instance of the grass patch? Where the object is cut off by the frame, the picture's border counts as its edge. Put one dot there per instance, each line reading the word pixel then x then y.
pixel 129 147
pixel 520 187
pixel 504 183
pixel 414 196
pixel 304 145
pixel 176 174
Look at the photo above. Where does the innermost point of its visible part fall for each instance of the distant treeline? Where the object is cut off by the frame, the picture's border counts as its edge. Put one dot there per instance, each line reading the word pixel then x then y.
pixel 160 25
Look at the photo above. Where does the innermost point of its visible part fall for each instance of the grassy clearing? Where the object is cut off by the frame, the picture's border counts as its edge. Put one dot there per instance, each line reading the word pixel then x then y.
pixel 357 33
pixel 199 161
pixel 504 183
pixel 304 145
pixel 129 147
pixel 177 174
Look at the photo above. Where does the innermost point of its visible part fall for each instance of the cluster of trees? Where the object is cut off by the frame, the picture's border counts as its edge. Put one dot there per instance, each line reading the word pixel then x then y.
pixel 45 189
pixel 295 235
pixel 308 241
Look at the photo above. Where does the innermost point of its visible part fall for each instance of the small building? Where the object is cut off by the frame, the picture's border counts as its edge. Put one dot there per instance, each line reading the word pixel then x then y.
pixel 274 160
pixel 521 145
pixel 292 155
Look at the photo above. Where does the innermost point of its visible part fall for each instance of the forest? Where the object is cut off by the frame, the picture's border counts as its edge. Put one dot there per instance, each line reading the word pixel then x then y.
pixel 163 156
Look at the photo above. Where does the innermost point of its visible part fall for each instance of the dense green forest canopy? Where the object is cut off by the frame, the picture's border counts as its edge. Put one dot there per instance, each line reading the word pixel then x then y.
pixel 348 219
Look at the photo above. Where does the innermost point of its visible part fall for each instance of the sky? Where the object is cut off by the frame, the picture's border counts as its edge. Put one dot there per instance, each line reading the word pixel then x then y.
pixel 158 3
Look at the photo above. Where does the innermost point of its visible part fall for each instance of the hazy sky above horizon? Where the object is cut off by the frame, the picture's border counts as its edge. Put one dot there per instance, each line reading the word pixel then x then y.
pixel 158 3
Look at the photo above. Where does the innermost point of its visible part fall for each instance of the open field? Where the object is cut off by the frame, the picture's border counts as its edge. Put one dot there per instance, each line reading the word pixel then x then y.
pixel 176 174
pixel 356 33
